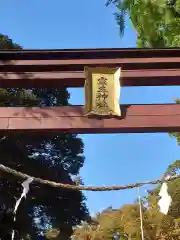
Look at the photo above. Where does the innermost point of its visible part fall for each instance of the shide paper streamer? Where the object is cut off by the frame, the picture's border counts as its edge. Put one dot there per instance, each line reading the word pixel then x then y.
pixel 166 200
pixel 25 185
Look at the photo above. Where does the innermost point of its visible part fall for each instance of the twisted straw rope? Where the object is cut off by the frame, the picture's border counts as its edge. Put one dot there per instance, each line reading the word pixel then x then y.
pixel 86 188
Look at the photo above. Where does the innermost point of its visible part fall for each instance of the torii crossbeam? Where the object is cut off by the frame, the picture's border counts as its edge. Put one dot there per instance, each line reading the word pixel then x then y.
pixel 57 68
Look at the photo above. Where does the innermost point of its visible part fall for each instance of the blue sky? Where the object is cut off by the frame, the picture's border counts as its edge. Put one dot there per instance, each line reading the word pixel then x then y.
pixel 112 159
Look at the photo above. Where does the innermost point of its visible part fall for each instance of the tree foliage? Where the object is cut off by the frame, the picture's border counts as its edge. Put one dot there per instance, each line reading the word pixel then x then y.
pixel 157 22
pixel 126 220
pixel 56 157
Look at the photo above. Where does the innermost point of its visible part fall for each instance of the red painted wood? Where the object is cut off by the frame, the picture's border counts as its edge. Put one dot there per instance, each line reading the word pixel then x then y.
pixel 135 119
pixel 141 77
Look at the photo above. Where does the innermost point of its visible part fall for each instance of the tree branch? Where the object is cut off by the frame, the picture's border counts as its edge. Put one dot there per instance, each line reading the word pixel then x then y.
pixel 86 188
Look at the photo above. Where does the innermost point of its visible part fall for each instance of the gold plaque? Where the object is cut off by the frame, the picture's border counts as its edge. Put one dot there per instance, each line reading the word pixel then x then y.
pixel 102 91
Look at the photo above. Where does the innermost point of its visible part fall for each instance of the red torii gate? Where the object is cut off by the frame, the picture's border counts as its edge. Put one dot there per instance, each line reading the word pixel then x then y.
pixel 57 68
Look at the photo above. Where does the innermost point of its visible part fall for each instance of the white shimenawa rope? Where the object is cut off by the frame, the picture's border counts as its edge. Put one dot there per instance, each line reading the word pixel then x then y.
pixel 25 185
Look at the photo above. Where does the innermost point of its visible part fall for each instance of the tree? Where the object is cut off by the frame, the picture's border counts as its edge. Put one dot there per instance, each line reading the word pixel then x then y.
pixel 157 22
pixel 126 220
pixel 104 226
pixel 55 157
